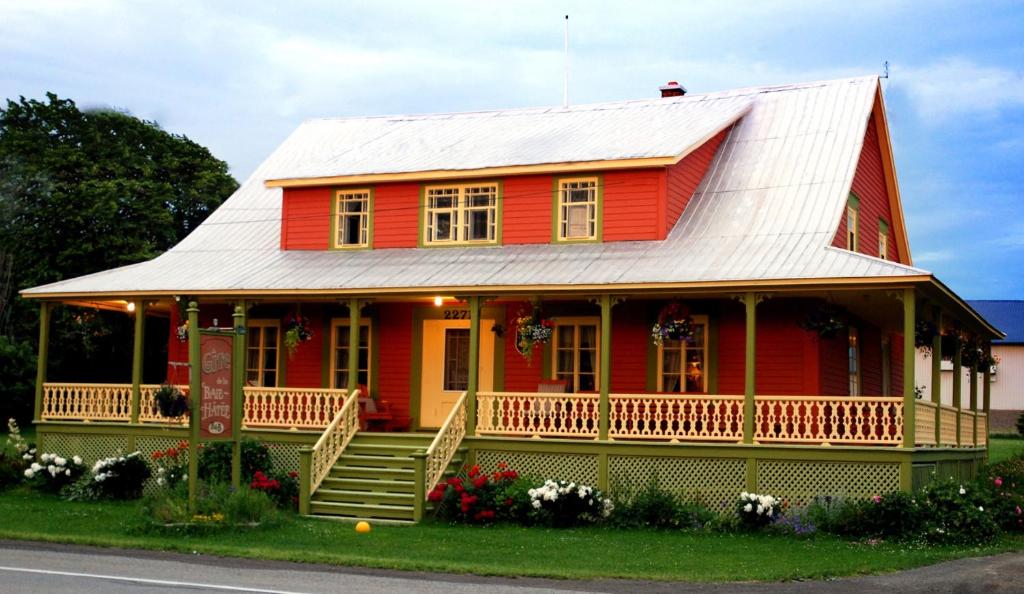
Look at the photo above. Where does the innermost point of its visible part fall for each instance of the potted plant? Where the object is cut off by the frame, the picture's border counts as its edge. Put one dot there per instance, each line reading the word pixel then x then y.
pixel 674 323
pixel 297 331
pixel 532 329
pixel 827 320
pixel 170 402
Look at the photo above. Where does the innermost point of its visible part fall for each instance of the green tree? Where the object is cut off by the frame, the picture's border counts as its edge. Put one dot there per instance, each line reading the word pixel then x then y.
pixel 80 192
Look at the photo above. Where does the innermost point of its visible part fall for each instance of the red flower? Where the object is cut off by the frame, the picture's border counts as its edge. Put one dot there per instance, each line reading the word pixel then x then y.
pixel 293 474
pixel 454 481
pixel 157 455
pixel 183 444
pixel 480 481
pixel 502 466
pixel 474 472
pixel 508 502
pixel 173 453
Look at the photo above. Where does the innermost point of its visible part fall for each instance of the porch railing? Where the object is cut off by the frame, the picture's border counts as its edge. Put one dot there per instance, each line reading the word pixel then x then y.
pixel 537 414
pixel 982 420
pixel 966 428
pixel 86 402
pixel 147 406
pixel 863 420
pixel 924 422
pixel 676 417
pixel 441 451
pixel 295 408
pixel 948 431
pixel 316 463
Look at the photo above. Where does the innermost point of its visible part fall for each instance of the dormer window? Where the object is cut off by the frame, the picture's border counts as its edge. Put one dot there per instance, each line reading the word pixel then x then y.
pixel 852 223
pixel 577 210
pixel 351 220
pixel 463 214
pixel 883 239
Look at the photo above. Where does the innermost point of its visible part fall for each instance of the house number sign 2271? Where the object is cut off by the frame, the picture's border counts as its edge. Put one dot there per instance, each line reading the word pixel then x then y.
pixel 456 314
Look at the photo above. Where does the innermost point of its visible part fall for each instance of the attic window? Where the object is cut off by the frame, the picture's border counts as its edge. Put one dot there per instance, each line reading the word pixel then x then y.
pixel 461 214
pixel 577 208
pixel 351 220
pixel 883 239
pixel 852 222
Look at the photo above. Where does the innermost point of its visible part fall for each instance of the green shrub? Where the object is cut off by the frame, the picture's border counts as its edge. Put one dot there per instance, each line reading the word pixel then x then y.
pixel 956 514
pixel 654 507
pixel 1020 424
pixel 15 456
pixel 513 500
pixel 215 460
pixel 757 511
pixel 119 477
pixel 53 472
pixel 564 504
pixel 282 487
pixel 475 498
pixel 218 507
pixel 1002 493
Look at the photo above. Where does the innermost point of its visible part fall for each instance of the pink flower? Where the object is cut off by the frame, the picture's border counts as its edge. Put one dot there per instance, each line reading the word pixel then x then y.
pixel 877 499
pixel 998 482
pixel 1018 510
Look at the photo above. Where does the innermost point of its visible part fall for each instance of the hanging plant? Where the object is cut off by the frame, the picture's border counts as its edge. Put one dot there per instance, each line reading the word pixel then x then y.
pixel 182 331
pixel 674 323
pixel 973 354
pixel 532 329
pixel 924 332
pixel 827 320
pixel 170 402
pixel 297 331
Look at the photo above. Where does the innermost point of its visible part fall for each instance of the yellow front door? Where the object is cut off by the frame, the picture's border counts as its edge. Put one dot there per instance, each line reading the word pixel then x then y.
pixel 445 371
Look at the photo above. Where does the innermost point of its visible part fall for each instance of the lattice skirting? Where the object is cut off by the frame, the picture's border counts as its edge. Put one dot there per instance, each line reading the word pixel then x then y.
pixel 800 483
pixel 580 468
pixel 285 456
pixel 712 482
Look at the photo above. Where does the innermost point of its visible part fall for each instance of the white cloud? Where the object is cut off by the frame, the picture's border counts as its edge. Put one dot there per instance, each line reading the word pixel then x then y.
pixel 957 86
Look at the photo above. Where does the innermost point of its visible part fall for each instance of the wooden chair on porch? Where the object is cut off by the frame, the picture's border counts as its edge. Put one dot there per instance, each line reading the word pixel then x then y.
pixel 373 414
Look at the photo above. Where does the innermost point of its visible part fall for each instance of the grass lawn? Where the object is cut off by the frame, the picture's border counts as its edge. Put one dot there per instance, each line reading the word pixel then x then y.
pixel 504 550
pixel 1001 448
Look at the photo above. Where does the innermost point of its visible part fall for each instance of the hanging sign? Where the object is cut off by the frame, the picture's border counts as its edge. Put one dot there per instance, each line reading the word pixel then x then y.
pixel 215 380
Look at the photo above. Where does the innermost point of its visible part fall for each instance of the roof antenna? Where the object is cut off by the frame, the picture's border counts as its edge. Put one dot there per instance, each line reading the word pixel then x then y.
pixel 565 85
pixel 885 70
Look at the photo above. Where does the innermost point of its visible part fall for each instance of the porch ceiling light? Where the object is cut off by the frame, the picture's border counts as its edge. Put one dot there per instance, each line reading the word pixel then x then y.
pixel 131 306
pixel 438 301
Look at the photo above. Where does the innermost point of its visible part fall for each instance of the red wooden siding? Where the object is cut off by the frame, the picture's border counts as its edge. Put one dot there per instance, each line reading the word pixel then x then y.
pixel 896 357
pixel 784 363
pixel 305 218
pixel 683 178
pixel 396 216
pixel 394 348
pixel 526 214
pixel 869 186
pixel 630 334
pixel 870 360
pixel 731 348
pixel 835 365
pixel 631 204
pixel 520 375
pixel 303 369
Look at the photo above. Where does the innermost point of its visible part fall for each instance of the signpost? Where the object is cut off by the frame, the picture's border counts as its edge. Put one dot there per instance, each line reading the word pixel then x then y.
pixel 215 411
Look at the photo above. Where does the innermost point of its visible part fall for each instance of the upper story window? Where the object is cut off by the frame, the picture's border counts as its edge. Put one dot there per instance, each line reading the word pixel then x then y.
pixel 351 220
pixel 852 223
pixel 262 349
pixel 465 213
pixel 576 354
pixel 883 239
pixel 682 364
pixel 577 210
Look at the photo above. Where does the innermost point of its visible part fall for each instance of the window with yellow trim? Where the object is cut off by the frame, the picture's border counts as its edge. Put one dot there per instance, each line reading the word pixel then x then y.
pixel 854 361
pixel 461 214
pixel 352 218
pixel 851 228
pixel 577 209
pixel 339 353
pixel 883 239
pixel 575 352
pixel 262 349
pixel 682 364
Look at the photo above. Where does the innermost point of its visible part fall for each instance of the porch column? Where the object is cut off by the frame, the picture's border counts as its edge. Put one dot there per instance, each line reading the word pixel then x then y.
pixel 474 364
pixel 237 391
pixel 973 387
pixel 137 354
pixel 195 395
pixel 909 352
pixel 44 355
pixel 937 375
pixel 353 345
pixel 986 399
pixel 750 364
pixel 958 376
pixel 603 407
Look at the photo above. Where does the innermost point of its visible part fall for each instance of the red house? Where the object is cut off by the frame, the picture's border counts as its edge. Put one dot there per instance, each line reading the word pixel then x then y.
pixel 713 289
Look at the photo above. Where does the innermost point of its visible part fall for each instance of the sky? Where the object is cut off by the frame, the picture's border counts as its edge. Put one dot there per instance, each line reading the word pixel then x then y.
pixel 238 77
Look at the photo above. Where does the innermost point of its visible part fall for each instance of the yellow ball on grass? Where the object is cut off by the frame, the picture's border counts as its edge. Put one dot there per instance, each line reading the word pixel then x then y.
pixel 363 527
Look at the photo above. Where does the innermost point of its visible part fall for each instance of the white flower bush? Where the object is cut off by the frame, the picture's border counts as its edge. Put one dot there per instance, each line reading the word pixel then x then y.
pixel 119 477
pixel 758 510
pixel 53 472
pixel 565 503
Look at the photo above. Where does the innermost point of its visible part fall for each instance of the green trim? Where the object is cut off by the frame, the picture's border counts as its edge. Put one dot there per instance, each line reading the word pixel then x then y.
pixel 853 201
pixel 353 345
pixel 603 406
pixel 499 350
pixel 556 182
pixel 973 390
pixel 499 207
pixel 749 364
pixel 138 351
pixel 909 360
pixel 43 358
pixel 883 227
pixel 751 467
pixel 474 364
pixel 195 398
pixel 958 400
pixel 237 392
pixel 326 347
pixel 332 240
pixel 712 351
pixel 282 358
pixel 936 379
pixel 651 384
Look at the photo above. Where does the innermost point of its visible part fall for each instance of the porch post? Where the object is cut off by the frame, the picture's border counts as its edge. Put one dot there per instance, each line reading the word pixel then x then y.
pixel 974 403
pixel 237 391
pixel 986 399
pixel 909 350
pixel 958 376
pixel 750 364
pixel 937 375
pixel 44 354
pixel 603 407
pixel 195 395
pixel 353 345
pixel 137 354
pixel 474 364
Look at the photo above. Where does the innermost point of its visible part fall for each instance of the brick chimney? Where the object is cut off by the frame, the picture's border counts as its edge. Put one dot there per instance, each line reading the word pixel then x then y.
pixel 672 89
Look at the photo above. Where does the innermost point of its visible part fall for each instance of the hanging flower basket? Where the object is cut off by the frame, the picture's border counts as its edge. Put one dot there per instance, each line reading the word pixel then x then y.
pixel 182 331
pixel 297 331
pixel 924 333
pixel 170 402
pixel 827 320
pixel 532 329
pixel 674 323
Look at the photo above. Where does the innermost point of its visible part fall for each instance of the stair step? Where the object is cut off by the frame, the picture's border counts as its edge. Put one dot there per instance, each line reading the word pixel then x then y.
pixel 343 471
pixel 345 496
pixel 411 439
pixel 362 510
pixel 372 461
pixel 354 519
pixel 382 449
pixel 369 485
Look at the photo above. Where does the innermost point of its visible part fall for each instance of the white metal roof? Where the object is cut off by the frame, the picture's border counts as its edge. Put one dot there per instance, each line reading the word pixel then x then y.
pixel 767 209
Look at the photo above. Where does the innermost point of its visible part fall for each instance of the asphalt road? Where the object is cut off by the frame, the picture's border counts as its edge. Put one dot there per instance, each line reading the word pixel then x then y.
pixel 27 567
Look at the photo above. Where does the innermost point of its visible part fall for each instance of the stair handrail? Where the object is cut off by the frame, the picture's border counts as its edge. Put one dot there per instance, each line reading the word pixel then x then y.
pixel 441 451
pixel 332 443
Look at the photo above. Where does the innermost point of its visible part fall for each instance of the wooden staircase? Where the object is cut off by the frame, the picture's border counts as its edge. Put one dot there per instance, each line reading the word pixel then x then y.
pixel 375 478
